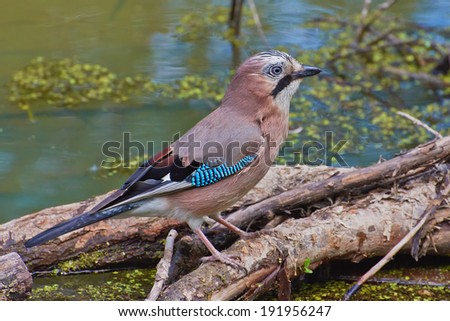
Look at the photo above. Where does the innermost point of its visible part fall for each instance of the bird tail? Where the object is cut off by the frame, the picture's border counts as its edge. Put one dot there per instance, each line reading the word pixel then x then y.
pixel 79 222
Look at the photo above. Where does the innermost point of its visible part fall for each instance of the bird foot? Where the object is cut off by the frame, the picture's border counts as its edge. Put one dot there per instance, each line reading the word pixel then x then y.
pixel 224 258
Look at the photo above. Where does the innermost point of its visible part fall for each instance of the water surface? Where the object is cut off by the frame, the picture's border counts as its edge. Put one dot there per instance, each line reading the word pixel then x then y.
pixel 50 162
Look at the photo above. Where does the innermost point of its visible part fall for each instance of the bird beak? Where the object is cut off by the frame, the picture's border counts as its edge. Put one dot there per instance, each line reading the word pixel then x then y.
pixel 307 71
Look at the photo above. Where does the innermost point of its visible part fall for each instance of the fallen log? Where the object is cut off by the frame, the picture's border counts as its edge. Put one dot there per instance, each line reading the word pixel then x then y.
pixel 384 173
pixel 15 280
pixel 136 240
pixel 342 182
pixel 110 242
pixel 365 227
pixel 128 241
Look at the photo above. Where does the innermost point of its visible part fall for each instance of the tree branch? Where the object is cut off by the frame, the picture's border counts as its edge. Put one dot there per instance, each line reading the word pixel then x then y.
pixel 429 211
pixel 420 123
pixel 400 166
pixel 162 269
pixel 366 227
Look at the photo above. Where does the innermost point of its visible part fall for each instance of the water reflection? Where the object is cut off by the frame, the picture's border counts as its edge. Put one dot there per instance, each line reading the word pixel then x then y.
pixel 48 162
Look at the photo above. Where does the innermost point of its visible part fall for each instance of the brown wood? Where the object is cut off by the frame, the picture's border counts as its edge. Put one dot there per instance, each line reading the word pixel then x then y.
pixel 15 280
pixel 385 172
pixel 119 241
pixel 127 241
pixel 162 269
pixel 134 241
pixel 234 21
pixel 366 227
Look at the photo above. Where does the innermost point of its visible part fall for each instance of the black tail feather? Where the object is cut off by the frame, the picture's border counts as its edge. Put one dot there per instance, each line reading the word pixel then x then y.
pixel 79 222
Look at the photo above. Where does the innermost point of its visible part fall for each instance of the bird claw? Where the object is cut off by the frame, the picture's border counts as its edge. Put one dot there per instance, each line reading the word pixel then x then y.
pixel 227 259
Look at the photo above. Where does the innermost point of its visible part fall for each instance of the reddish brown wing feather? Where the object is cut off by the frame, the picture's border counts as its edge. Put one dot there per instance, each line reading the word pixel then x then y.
pixel 162 160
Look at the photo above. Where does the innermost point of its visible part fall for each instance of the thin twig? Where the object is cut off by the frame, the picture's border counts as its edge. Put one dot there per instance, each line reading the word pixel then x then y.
pixel 363 26
pixel 381 36
pixel 427 79
pixel 162 269
pixel 386 5
pixel 252 7
pixel 420 123
pixel 356 50
pixel 398 281
pixel 430 210
pixel 382 7
pixel 367 22
pixel 404 165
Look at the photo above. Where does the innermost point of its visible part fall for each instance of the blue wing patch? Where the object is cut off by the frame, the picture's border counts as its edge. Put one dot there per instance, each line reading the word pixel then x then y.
pixel 207 175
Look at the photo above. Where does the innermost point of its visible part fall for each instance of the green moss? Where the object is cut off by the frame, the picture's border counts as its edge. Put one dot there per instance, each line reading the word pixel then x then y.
pixel 158 255
pixel 222 278
pixel 445 268
pixel 123 287
pixel 84 261
pixel 306 267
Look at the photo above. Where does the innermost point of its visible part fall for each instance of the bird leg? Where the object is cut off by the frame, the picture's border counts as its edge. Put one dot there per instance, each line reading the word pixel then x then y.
pixel 242 234
pixel 216 255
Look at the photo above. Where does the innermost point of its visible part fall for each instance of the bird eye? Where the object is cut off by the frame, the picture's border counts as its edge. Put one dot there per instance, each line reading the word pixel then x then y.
pixel 275 70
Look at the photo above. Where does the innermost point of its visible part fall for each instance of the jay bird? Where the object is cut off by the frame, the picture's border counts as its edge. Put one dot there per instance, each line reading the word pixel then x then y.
pixel 216 162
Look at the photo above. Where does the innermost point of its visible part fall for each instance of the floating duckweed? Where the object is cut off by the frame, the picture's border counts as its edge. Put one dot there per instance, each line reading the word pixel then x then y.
pixel 196 87
pixel 82 262
pixel 212 21
pixel 335 290
pixel 68 83
pixel 364 88
pixel 356 100
pixel 118 285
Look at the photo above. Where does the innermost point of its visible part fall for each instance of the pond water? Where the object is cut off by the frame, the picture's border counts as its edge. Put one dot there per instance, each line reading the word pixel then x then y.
pixel 51 161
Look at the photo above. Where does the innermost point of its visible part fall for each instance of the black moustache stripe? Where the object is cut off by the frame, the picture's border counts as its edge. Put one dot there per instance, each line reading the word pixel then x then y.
pixel 283 83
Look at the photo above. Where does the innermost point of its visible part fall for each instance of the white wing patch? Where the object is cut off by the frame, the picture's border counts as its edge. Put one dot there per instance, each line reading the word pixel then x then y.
pixel 165 187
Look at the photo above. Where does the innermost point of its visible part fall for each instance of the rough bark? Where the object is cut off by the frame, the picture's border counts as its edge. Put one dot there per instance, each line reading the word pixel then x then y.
pixel 286 191
pixel 125 241
pixel 366 227
pixel 15 280
pixel 357 180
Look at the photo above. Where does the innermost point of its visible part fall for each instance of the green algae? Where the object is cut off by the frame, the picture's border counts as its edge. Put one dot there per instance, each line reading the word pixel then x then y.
pixel 356 96
pixel 363 89
pixel 335 290
pixel 211 21
pixel 403 279
pixel 69 83
pixel 84 261
pixel 118 285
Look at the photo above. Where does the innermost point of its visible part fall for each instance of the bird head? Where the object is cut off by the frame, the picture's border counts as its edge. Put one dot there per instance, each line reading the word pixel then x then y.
pixel 269 77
